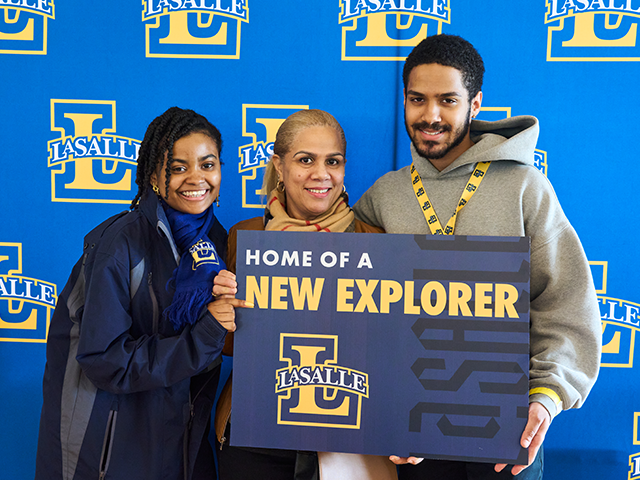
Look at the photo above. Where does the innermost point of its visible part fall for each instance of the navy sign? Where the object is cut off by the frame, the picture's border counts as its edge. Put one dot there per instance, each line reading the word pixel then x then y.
pixel 352 347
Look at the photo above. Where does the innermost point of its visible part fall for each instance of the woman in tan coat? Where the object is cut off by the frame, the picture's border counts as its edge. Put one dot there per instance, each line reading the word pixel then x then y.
pixel 304 182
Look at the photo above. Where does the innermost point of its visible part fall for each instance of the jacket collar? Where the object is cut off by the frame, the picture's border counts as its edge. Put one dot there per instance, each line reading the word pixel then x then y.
pixel 151 208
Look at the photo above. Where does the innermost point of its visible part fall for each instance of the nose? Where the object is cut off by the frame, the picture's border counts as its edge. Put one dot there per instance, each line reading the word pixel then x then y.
pixel 196 176
pixel 320 171
pixel 431 113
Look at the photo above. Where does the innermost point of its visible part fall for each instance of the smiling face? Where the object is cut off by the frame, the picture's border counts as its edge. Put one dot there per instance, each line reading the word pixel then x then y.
pixel 437 113
pixel 194 183
pixel 312 172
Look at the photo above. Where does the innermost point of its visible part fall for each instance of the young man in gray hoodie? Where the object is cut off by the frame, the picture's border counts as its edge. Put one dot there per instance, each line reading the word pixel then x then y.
pixel 484 172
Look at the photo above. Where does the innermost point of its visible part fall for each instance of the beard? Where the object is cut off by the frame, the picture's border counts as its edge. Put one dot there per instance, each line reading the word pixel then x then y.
pixel 430 150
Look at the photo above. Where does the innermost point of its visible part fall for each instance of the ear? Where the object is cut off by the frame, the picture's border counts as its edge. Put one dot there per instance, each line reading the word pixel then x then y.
pixel 277 163
pixel 154 179
pixel 476 103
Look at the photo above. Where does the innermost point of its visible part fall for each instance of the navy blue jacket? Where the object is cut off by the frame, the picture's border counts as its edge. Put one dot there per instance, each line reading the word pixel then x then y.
pixel 125 395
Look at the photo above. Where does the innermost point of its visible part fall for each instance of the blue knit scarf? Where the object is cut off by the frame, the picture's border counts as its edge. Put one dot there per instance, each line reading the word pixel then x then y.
pixel 199 264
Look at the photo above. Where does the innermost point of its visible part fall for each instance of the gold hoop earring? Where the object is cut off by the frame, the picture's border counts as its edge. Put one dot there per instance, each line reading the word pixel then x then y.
pixel 218 201
pixel 155 189
pixel 280 186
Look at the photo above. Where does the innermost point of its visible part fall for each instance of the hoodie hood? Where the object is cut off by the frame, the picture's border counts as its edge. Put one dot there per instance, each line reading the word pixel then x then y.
pixel 512 139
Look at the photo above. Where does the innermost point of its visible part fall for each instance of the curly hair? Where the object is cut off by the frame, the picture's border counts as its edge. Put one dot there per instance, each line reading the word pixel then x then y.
pixel 289 130
pixel 160 137
pixel 450 51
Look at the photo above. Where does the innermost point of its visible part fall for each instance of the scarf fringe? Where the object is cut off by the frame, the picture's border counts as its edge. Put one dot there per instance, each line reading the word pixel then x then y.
pixel 187 305
pixel 193 278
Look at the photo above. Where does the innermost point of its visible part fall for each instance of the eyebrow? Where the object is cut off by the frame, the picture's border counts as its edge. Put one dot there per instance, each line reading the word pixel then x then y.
pixel 441 95
pixel 201 159
pixel 311 154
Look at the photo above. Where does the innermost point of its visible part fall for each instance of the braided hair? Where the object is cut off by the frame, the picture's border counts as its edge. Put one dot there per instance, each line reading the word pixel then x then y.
pixel 160 137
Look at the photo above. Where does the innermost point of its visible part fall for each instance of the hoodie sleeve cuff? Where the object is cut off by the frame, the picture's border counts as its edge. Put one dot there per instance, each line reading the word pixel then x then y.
pixel 548 398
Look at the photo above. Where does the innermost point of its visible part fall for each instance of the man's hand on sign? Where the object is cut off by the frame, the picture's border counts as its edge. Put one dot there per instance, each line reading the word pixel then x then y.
pixel 533 435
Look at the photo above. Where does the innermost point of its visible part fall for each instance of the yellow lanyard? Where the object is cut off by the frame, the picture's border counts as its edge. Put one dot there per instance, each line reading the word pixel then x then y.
pixel 427 206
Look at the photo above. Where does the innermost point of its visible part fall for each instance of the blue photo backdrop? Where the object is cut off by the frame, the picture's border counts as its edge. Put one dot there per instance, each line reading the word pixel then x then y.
pixel 80 82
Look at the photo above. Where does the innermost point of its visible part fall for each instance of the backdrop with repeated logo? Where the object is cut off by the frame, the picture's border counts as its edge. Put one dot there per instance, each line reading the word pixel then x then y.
pixel 80 82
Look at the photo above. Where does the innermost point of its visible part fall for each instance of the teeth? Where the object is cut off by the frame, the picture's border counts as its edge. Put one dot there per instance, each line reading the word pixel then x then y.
pixel 317 190
pixel 431 133
pixel 196 193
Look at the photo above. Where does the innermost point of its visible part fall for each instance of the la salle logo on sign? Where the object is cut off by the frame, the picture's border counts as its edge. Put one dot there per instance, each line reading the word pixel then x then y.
pixel 23 26
pixel 194 28
pixel 313 389
pixel 89 163
pixel 593 30
pixel 388 29
pixel 26 304
pixel 260 123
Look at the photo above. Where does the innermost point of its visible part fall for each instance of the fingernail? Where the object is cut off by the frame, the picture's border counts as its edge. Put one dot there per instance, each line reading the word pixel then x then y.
pixel 248 304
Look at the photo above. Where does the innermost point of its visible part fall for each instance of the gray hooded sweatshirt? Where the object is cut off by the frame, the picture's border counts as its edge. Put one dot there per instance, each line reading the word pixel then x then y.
pixel 514 199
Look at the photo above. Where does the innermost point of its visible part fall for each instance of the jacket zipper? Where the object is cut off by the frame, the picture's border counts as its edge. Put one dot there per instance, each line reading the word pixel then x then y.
pixel 185 440
pixel 187 432
pixel 226 422
pixel 107 445
pixel 154 303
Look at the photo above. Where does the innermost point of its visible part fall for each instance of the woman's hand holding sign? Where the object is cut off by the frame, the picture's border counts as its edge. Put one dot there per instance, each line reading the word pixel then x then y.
pixel 223 306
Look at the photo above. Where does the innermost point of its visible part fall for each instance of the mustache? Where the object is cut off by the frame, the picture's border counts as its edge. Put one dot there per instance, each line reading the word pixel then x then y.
pixel 431 126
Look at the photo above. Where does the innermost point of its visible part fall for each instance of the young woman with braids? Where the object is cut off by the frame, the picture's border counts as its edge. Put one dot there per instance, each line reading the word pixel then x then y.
pixel 133 352
pixel 305 185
